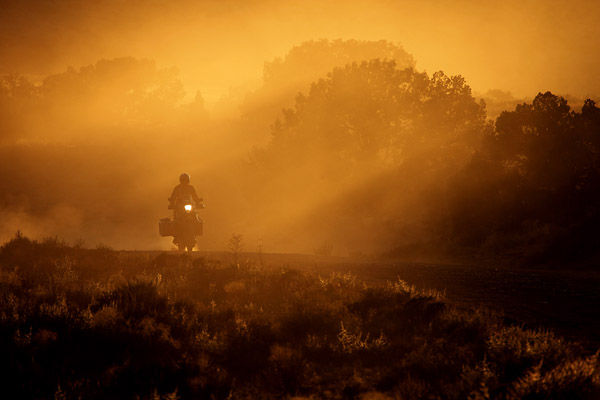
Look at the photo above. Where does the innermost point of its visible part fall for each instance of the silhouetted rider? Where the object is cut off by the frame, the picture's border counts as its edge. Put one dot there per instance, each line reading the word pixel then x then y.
pixel 182 194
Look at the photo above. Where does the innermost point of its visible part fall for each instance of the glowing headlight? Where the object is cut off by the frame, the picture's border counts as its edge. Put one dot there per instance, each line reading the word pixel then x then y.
pixel 188 207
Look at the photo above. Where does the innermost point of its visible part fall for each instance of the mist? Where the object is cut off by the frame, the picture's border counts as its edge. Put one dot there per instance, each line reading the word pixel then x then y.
pixel 222 45
pixel 108 141
pixel 307 125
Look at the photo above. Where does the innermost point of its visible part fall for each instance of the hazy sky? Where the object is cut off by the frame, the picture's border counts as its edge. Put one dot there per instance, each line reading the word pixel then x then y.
pixel 522 46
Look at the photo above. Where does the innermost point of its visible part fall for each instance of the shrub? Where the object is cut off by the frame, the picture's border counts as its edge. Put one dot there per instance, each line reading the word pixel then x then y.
pixel 87 323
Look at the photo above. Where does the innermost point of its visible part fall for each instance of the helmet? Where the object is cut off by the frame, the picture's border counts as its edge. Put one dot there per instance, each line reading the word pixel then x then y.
pixel 184 178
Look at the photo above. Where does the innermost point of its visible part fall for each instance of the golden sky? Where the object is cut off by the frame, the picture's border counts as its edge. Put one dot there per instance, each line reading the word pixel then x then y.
pixel 521 46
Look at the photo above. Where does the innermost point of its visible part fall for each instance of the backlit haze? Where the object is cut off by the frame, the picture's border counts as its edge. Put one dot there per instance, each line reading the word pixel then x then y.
pixel 197 86
pixel 518 46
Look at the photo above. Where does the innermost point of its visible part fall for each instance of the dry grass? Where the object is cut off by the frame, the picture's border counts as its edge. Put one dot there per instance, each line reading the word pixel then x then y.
pixel 82 323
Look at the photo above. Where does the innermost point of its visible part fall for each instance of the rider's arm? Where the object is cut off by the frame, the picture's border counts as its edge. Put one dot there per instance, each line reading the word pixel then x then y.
pixel 195 196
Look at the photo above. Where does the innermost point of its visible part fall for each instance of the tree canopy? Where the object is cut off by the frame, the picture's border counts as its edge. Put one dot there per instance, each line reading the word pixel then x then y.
pixel 372 114
pixel 377 136
pixel 304 64
pixel 536 181
pixel 117 92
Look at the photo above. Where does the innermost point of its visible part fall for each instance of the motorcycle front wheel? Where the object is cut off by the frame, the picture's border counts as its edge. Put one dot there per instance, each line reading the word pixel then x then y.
pixel 189 246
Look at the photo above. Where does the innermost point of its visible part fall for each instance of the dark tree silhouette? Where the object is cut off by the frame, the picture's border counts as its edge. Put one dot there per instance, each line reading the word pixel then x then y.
pixel 534 187
pixel 374 113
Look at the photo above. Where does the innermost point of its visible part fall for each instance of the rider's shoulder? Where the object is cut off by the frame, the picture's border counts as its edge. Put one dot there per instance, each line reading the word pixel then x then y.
pixel 184 188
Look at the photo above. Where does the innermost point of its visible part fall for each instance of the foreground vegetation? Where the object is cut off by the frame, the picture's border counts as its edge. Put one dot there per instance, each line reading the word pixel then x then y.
pixel 90 323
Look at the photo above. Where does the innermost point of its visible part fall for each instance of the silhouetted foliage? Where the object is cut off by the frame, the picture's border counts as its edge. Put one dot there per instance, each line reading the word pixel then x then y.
pixel 174 328
pixel 372 139
pixel 304 64
pixel 535 185
pixel 373 112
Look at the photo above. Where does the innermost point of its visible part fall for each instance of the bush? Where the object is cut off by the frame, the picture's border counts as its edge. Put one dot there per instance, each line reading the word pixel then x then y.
pixel 169 327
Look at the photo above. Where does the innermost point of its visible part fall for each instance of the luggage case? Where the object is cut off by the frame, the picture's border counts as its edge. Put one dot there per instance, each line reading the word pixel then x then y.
pixel 166 227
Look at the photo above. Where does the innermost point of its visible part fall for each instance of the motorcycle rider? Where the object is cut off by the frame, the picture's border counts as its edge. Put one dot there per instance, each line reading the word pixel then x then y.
pixel 182 194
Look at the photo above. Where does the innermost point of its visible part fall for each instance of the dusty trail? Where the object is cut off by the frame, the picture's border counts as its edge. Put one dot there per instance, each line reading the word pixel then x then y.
pixel 567 302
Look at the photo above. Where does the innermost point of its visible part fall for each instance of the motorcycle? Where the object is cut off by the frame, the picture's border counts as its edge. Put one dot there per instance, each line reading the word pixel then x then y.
pixel 185 224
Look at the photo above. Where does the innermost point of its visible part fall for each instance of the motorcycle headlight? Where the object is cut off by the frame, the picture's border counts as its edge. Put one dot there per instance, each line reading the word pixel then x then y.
pixel 188 207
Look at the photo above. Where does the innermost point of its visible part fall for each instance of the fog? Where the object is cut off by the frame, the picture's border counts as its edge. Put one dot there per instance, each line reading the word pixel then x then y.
pixel 217 45
pixel 308 125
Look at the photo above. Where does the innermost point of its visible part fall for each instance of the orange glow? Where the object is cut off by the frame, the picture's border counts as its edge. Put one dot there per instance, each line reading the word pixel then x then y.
pixel 110 101
pixel 220 45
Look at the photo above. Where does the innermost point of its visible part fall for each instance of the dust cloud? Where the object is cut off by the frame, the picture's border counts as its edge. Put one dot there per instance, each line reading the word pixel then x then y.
pixel 308 125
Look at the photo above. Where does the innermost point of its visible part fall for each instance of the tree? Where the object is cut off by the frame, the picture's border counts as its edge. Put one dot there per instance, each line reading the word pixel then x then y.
pixel 366 143
pixel 121 89
pixel 536 181
pixel 122 92
pixel 284 78
pixel 373 113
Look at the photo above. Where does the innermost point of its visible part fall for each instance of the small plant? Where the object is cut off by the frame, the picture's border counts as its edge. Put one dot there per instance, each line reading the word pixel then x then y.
pixel 236 244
